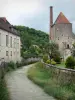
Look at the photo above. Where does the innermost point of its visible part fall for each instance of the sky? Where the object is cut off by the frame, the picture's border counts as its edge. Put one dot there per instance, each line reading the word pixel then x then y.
pixel 35 13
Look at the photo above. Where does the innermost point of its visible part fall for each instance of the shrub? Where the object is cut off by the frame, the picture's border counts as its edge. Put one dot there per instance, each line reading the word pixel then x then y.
pixel 53 62
pixel 57 59
pixel 48 61
pixel 45 58
pixel 70 62
pixel 12 65
pixel 18 64
pixel 4 94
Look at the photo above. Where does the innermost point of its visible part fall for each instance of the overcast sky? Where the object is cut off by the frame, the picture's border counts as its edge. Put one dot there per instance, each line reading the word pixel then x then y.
pixel 35 13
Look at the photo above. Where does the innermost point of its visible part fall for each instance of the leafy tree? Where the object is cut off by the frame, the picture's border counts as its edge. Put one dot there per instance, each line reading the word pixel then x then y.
pixel 73 50
pixel 30 37
pixel 52 50
pixel 70 62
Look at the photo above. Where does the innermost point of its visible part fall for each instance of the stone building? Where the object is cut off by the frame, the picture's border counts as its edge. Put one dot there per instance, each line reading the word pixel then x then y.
pixel 9 42
pixel 61 33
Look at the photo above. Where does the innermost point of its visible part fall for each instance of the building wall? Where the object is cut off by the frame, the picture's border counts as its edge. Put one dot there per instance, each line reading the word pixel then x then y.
pixel 62 34
pixel 13 50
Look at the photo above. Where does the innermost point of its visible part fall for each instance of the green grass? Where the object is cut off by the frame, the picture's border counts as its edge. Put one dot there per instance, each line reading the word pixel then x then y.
pixel 44 78
pixel 62 64
pixel 4 95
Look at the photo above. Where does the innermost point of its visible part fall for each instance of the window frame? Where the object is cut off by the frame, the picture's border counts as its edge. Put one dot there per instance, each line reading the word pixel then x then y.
pixel 7 40
pixel 11 41
pixel 7 53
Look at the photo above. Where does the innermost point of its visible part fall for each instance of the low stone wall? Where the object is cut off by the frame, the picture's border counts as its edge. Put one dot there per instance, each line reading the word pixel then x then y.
pixel 63 75
pixel 32 59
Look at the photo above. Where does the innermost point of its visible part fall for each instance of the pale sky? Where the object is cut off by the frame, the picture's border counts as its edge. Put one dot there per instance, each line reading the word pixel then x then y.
pixel 35 13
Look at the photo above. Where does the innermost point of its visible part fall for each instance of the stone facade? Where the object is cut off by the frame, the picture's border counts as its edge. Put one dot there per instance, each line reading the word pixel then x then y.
pixel 9 42
pixel 61 33
pixel 9 53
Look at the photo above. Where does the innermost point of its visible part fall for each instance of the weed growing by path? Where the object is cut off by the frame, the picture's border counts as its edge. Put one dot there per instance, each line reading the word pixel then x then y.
pixel 44 78
pixel 4 95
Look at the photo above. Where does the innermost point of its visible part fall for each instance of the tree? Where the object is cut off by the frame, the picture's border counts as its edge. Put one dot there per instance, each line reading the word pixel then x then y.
pixel 30 37
pixel 73 50
pixel 52 49
pixel 70 62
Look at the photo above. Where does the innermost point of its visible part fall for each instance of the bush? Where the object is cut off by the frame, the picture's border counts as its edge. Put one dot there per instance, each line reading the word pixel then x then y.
pixel 70 62
pixel 48 61
pixel 51 62
pixel 11 65
pixel 4 94
pixel 18 64
pixel 57 59
pixel 45 58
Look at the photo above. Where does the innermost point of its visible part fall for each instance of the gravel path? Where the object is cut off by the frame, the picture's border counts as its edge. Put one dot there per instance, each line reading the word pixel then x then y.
pixel 21 88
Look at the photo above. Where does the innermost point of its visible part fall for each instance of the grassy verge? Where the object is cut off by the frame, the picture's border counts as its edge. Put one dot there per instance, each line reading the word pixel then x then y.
pixel 4 95
pixel 44 78
pixel 62 64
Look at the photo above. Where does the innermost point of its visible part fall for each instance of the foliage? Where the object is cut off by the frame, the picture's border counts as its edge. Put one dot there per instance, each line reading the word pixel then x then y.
pixel 73 50
pixel 11 64
pixel 43 77
pixel 18 64
pixel 70 62
pixel 51 62
pixel 48 61
pixel 57 59
pixel 4 95
pixel 52 50
pixel 45 58
pixel 30 37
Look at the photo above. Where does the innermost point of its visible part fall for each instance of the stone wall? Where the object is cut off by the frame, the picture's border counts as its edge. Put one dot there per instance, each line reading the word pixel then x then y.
pixel 63 75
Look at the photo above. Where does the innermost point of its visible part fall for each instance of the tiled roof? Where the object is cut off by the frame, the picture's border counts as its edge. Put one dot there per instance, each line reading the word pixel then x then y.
pixel 5 25
pixel 61 19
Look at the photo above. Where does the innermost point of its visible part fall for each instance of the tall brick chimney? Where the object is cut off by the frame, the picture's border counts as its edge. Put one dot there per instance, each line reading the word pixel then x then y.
pixel 51 22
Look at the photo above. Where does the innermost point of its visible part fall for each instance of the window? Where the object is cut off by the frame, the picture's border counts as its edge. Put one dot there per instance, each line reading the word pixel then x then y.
pixel 14 42
pixel 10 41
pixel 58 38
pixel 6 40
pixel 68 46
pixel 11 53
pixel 17 43
pixel 14 53
pixel 0 38
pixel 6 53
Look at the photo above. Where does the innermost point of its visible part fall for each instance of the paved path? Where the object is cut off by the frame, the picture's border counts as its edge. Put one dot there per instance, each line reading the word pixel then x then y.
pixel 21 88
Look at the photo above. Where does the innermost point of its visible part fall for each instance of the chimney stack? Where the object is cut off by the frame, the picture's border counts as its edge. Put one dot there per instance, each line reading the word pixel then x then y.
pixel 51 22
